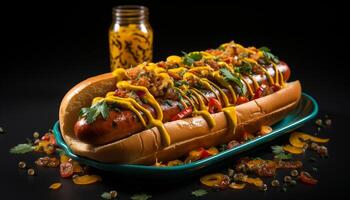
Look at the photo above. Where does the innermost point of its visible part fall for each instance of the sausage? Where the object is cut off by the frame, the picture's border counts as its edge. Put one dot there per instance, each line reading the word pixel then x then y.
pixel 119 125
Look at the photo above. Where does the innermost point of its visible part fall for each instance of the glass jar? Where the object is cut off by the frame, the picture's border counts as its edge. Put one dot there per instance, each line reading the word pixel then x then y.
pixel 130 37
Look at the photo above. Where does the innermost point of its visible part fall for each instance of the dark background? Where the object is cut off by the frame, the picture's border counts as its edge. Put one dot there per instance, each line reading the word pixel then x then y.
pixel 49 47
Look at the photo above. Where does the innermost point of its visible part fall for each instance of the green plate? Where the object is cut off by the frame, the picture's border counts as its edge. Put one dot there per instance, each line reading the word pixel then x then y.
pixel 306 110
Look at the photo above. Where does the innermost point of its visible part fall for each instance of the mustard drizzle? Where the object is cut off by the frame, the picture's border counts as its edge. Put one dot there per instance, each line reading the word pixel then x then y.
pixel 194 96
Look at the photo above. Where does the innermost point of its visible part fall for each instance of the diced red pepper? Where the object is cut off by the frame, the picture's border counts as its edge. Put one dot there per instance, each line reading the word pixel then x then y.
pixel 214 106
pixel 120 93
pixel 204 154
pixel 183 114
pixel 45 137
pixel 260 91
pixel 241 100
pixel 52 139
pixel 306 178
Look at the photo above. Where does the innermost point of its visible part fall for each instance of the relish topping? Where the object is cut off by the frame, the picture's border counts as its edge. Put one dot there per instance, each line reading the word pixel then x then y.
pixel 189 78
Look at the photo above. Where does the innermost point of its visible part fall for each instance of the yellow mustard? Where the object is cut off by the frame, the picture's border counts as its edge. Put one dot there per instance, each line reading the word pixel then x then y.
pixel 200 75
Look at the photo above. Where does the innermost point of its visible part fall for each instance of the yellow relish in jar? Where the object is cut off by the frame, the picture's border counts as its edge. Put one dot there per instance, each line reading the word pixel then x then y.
pixel 130 37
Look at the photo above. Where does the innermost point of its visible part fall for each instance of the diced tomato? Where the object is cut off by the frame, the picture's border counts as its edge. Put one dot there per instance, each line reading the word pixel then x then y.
pixel 306 178
pixel 120 93
pixel 45 137
pixel 260 91
pixel 241 100
pixel 183 114
pixel 204 154
pixel 52 139
pixel 66 169
pixel 214 106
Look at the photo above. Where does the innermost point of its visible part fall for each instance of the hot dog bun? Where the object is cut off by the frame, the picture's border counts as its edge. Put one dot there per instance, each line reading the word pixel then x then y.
pixel 186 134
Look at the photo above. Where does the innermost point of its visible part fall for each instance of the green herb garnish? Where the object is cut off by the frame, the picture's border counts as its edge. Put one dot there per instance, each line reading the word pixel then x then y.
pixel 228 76
pixel 91 114
pixel 168 102
pixel 22 149
pixel 106 195
pixel 180 106
pixel 280 153
pixel 221 47
pixel 199 193
pixel 141 196
pixel 244 68
pixel 190 58
pixel 268 55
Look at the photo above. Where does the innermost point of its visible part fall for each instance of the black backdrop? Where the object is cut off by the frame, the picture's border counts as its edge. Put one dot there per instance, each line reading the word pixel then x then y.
pixel 49 47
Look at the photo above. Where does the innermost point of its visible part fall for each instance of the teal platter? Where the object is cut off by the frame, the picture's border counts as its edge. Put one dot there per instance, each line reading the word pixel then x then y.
pixel 306 110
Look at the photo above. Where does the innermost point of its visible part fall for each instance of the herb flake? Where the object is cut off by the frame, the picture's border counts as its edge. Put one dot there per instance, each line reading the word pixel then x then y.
pixel 22 149
pixel 280 153
pixel 91 114
pixel 190 58
pixel 141 196
pixel 228 76
pixel 106 195
pixel 199 193
pixel 244 68
pixel 268 55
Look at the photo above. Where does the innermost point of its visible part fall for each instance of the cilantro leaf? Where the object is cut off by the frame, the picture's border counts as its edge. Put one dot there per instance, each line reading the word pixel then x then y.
pixel 190 58
pixel 228 76
pixel 221 47
pixel 21 149
pixel 277 149
pixel 199 193
pixel 91 114
pixel 103 109
pixel 283 156
pixel 268 55
pixel 141 196
pixel 280 153
pixel 264 49
pixel 244 68
pixel 106 195
pixel 196 56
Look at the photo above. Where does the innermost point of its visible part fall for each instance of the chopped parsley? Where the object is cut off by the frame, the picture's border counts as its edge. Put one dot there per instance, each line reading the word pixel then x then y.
pixel 141 196
pixel 228 76
pixel 268 55
pixel 199 193
pixel 91 114
pixel 280 153
pixel 22 149
pixel 244 68
pixel 168 102
pixel 190 58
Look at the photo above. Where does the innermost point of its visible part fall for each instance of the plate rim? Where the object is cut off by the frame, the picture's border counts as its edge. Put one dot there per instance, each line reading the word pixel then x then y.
pixel 198 164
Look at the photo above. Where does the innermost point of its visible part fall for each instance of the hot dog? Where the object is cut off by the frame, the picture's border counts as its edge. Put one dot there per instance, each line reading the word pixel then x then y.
pixel 122 124
pixel 162 110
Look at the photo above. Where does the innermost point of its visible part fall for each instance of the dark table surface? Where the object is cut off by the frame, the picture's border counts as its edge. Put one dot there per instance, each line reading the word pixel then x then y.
pixel 49 49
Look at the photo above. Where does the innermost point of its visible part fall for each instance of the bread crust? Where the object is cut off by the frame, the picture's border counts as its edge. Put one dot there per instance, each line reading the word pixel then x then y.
pixel 186 134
